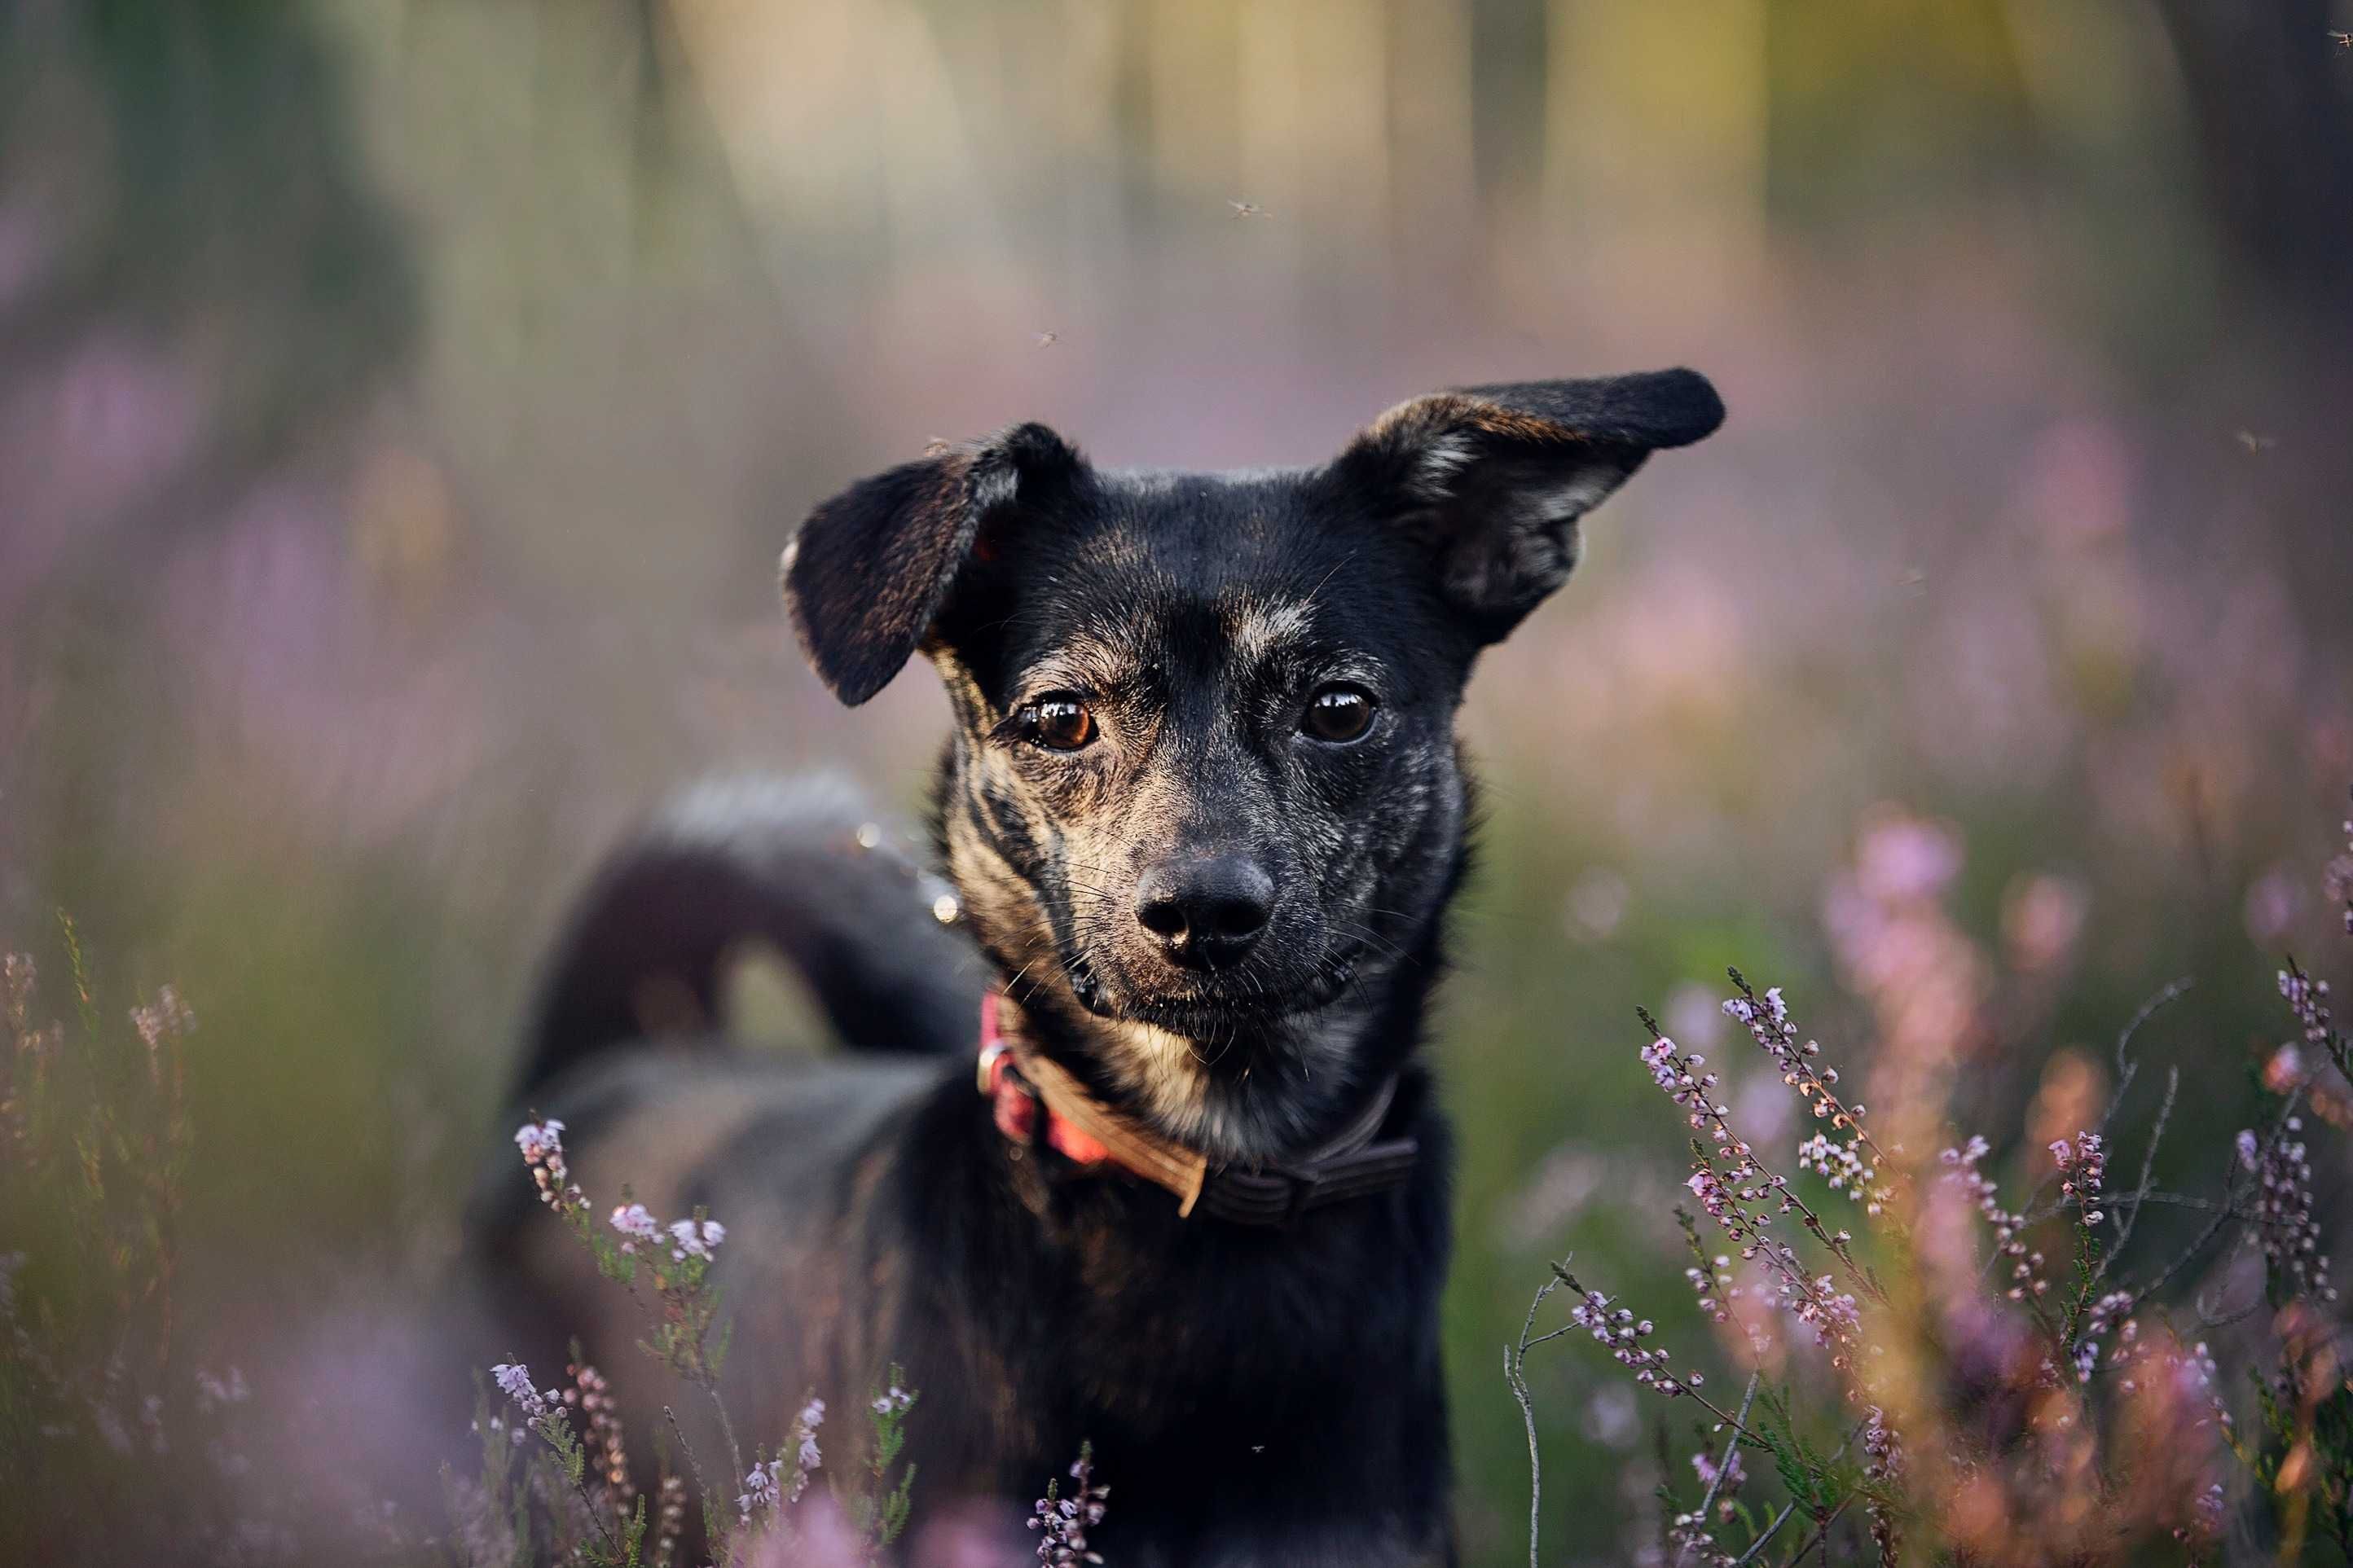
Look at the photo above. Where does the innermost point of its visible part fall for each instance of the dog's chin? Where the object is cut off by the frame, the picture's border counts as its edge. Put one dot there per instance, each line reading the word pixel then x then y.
pixel 1227 1005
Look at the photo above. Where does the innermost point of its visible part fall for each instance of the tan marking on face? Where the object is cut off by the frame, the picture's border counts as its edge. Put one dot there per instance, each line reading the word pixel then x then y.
pixel 1257 627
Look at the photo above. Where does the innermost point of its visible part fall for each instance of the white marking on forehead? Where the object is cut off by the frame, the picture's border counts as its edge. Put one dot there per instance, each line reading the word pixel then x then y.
pixel 1257 626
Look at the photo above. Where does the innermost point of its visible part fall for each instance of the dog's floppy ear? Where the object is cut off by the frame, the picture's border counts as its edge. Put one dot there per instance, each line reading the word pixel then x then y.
pixel 866 575
pixel 1494 479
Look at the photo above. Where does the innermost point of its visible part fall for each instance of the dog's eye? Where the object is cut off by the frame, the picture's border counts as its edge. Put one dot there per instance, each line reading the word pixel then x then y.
pixel 1338 714
pixel 1061 723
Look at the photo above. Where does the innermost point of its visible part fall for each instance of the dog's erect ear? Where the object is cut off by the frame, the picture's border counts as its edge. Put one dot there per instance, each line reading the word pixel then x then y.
pixel 866 575
pixel 1494 477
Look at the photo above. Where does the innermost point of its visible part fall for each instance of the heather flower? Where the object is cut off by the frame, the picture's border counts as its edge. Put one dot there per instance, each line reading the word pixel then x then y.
pixel 1742 1197
pixel 2097 1319
pixel 2285 1221
pixel 762 1489
pixel 2208 1507
pixel 636 1223
pixel 593 1396
pixel 893 1401
pixel 514 1381
pixel 670 1518
pixel 2308 999
pixel 1882 1465
pixel 2009 1229
pixel 1617 1331
pixel 1726 1480
pixel 2157 1365
pixel 167 1019
pixel 1850 1164
pixel 2337 880
pixel 1063 1519
pixel 1713 1285
pixel 17 974
pixel 805 1457
pixel 2083 1167
pixel 1688 1533
pixel 695 1238
pixel 540 1141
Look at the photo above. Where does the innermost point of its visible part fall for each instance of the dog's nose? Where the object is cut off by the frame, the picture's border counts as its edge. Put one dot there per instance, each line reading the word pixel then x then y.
pixel 1208 911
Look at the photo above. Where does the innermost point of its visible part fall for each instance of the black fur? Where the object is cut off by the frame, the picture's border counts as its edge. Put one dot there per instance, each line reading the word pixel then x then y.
pixel 1206 890
pixel 731 864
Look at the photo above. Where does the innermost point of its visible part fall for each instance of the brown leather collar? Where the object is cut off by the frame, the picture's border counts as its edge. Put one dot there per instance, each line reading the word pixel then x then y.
pixel 1036 1100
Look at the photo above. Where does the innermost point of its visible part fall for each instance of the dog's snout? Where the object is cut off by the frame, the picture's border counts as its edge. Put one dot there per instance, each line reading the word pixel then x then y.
pixel 1208 911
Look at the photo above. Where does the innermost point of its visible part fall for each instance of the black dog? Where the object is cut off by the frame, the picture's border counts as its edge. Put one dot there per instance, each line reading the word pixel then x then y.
pixel 1203 811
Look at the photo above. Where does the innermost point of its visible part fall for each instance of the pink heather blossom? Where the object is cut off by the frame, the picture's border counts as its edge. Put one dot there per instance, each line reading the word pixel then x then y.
pixel 540 1141
pixel 1742 1197
pixel 2157 1364
pixel 513 1379
pixel 1732 1475
pixel 636 1223
pixel 2337 880
pixel 2083 1167
pixel 1618 1331
pixel 2284 1213
pixel 1851 1163
pixel 17 975
pixel 763 1489
pixel 1063 1519
pixel 695 1238
pixel 2097 1319
pixel 2308 999
pixel 169 1017
pixel 2009 1229
pixel 1882 1464
pixel 806 1460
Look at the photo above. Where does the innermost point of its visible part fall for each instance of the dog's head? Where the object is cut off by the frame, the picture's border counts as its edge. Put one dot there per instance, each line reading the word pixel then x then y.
pixel 1204 800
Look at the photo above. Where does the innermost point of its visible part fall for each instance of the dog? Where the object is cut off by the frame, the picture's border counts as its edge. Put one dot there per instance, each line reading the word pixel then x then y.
pixel 1131 1144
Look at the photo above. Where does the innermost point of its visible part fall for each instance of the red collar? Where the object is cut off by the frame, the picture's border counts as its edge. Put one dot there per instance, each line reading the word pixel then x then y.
pixel 1035 1100
pixel 1017 1104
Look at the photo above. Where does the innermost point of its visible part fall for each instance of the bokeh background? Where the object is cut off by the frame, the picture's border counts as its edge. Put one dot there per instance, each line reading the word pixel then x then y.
pixel 403 401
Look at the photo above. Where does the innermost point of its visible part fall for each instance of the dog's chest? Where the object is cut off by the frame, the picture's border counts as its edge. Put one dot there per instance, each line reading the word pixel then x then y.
pixel 1201 1315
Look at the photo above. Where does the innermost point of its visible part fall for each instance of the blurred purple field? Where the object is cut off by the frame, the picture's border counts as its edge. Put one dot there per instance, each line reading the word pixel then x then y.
pixel 402 407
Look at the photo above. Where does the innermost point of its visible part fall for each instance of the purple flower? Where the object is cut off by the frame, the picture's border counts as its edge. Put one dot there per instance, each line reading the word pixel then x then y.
pixel 513 1379
pixel 540 1141
pixel 636 1223
pixel 695 1238
pixel 1064 1519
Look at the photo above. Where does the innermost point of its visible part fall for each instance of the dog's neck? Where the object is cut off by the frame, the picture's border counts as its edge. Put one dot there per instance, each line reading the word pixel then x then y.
pixel 1261 1097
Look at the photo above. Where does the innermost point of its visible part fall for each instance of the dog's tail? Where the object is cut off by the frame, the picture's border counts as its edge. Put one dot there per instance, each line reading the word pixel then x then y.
pixel 730 865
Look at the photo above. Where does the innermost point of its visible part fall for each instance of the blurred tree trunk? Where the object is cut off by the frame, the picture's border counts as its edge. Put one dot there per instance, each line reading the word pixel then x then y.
pixel 2271 95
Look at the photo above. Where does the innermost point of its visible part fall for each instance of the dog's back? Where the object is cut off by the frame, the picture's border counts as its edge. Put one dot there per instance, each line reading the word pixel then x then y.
pixel 627 1047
